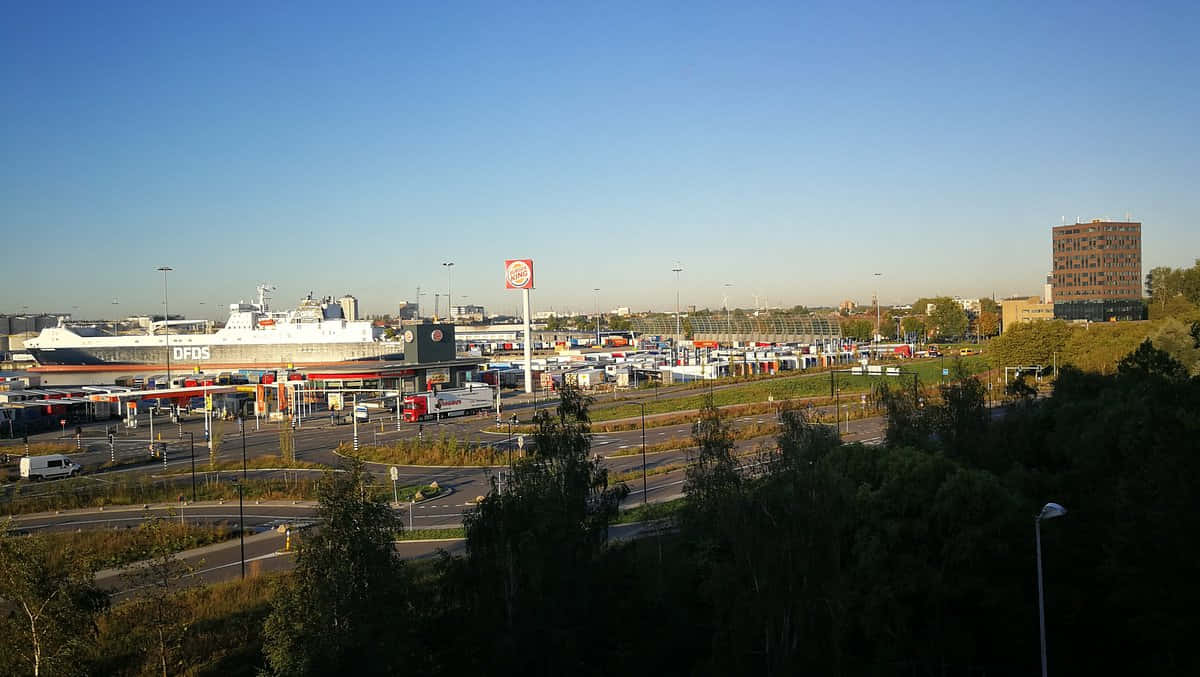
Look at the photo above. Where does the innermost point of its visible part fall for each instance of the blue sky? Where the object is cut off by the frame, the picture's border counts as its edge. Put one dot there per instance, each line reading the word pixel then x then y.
pixel 791 150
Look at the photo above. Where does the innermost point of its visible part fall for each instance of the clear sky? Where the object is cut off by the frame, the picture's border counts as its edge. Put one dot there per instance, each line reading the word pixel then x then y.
pixel 790 150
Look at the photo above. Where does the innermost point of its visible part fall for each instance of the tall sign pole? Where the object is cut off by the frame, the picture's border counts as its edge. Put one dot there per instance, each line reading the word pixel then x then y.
pixel 518 274
pixel 528 345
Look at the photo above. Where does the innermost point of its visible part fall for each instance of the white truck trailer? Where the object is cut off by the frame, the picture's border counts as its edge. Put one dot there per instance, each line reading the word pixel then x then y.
pixel 470 399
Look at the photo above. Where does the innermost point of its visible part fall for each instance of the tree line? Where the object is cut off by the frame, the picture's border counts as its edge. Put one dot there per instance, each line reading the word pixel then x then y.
pixel 806 556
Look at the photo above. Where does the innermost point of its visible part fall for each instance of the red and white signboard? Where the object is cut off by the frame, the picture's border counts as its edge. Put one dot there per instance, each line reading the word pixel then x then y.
pixel 518 274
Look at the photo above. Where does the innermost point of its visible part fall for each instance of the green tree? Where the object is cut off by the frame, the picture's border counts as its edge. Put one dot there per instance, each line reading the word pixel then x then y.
pixel 48 607
pixel 961 418
pixel 908 424
pixel 217 434
pixel 531 580
pixel 158 576
pixel 859 330
pixel 988 323
pixel 771 549
pixel 1029 343
pixel 287 442
pixel 347 608
pixel 619 324
pixel 1180 342
pixel 987 305
pixel 913 325
pixel 714 472
pixel 1151 362
pixel 948 318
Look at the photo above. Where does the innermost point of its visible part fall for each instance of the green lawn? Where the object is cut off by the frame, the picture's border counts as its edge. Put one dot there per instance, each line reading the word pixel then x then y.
pixel 790 387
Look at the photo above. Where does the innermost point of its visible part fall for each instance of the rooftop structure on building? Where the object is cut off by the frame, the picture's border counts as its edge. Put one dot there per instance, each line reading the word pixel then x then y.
pixel 349 306
pixel 467 313
pixel 728 328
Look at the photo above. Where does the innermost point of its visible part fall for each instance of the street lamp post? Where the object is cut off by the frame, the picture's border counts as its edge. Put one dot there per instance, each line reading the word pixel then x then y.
pixel 1049 511
pixel 597 310
pixel 192 449
pixel 166 320
pixel 241 526
pixel 242 425
pixel 877 276
pixel 449 266
pixel 645 491
pixel 511 421
pixel 678 330
pixel 727 285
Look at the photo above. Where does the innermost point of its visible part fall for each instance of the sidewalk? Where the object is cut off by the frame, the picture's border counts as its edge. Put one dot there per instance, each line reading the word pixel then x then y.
pixel 142 507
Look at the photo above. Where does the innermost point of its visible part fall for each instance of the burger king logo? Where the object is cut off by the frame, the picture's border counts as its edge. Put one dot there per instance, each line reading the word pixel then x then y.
pixel 436 335
pixel 518 274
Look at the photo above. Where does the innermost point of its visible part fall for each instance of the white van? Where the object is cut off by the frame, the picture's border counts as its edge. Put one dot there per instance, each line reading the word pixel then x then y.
pixel 48 466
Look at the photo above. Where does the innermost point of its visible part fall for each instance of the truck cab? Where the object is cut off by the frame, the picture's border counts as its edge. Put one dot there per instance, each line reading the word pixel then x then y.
pixel 416 408
pixel 49 466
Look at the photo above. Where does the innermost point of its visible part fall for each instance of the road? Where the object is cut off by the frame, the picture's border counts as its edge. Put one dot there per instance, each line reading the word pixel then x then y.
pixel 316 439
pixel 618 451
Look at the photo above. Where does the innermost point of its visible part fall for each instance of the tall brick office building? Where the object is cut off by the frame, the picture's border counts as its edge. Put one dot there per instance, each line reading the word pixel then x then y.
pixel 1097 273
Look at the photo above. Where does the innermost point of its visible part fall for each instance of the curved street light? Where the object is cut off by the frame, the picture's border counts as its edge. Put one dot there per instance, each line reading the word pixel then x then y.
pixel 449 265
pixel 1049 511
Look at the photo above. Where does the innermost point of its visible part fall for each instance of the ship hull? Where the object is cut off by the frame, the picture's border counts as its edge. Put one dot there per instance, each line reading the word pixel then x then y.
pixel 263 355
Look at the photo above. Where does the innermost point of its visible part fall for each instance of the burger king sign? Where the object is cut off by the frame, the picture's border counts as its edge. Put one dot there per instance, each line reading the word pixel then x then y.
pixel 518 274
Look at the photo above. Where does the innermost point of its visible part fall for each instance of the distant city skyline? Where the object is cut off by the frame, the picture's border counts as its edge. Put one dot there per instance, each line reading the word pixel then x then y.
pixel 790 151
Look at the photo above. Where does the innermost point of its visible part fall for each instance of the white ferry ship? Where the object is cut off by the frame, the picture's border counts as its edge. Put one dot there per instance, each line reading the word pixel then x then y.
pixel 254 336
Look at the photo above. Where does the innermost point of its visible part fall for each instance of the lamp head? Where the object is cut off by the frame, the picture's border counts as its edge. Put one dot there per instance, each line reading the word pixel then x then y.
pixel 1051 510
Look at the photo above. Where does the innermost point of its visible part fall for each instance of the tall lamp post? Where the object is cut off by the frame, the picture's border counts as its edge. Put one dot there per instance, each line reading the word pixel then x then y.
pixel 725 300
pixel 192 448
pixel 166 320
pixel 449 266
pixel 597 311
pixel 877 325
pixel 242 425
pixel 677 269
pixel 512 420
pixel 241 526
pixel 1049 511
pixel 645 491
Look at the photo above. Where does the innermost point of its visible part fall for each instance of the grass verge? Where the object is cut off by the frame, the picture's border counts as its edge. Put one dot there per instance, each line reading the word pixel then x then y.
pixel 650 511
pixel 224 631
pixel 109 548
pixel 442 450
pixel 807 386
pixel 82 493
pixel 430 534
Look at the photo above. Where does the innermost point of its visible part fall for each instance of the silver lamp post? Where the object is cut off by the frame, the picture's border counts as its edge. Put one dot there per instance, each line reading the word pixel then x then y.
pixel 167 320
pixel 677 269
pixel 1049 511
pixel 449 266
pixel 877 276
